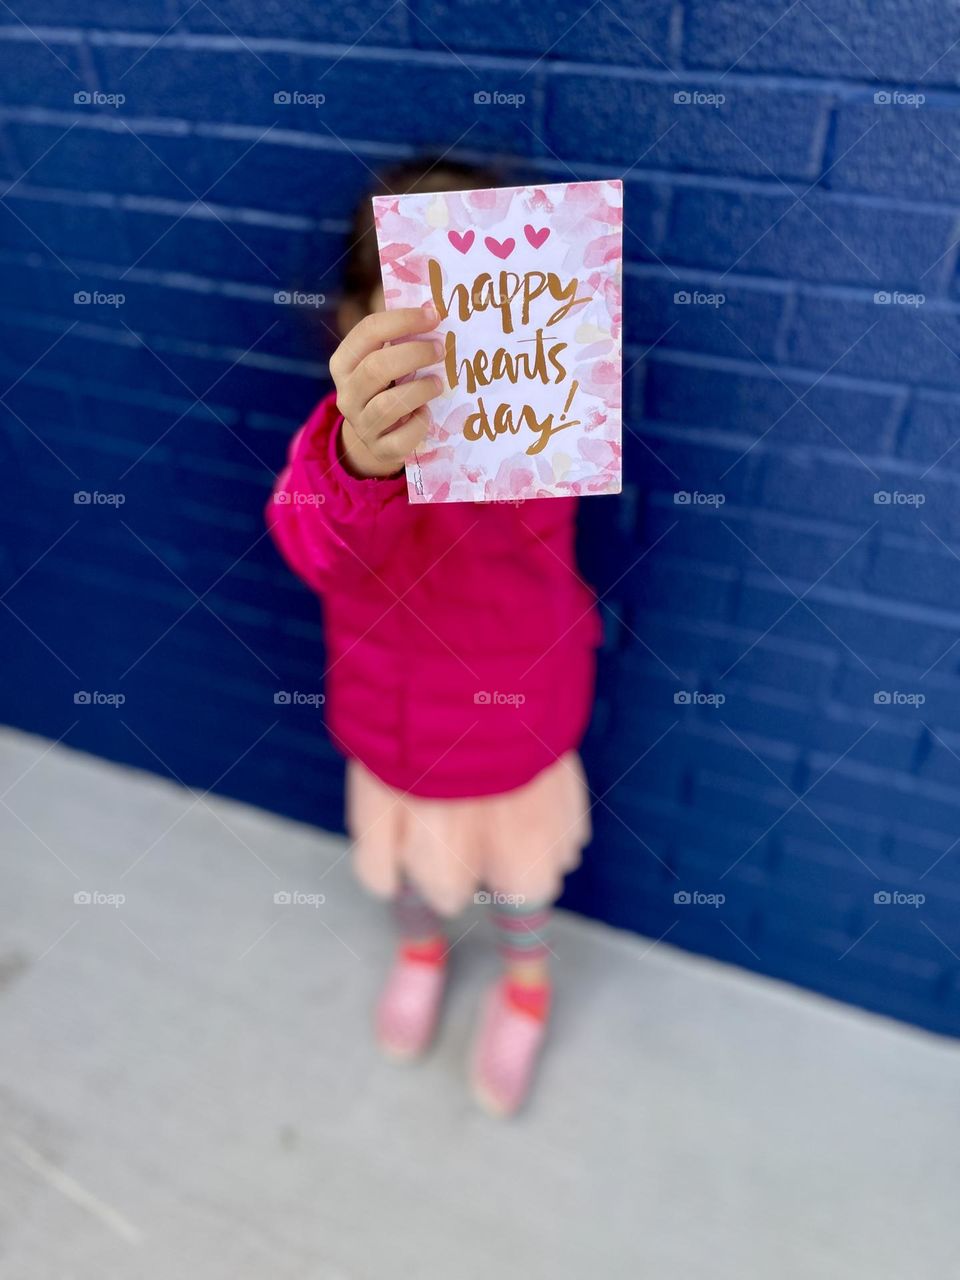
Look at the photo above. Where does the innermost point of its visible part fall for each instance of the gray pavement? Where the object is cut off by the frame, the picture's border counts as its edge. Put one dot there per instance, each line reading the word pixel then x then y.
pixel 188 1086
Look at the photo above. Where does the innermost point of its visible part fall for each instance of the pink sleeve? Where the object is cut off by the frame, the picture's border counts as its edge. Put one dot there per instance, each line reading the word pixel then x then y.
pixel 327 524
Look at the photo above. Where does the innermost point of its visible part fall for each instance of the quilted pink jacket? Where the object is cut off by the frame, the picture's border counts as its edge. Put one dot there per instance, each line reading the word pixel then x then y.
pixel 460 638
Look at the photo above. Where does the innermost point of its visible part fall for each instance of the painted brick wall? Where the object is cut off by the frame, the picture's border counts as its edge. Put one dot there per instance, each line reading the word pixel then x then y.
pixel 780 174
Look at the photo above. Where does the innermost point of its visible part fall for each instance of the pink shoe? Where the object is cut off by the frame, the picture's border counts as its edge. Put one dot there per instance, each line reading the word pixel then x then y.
pixel 505 1053
pixel 409 1007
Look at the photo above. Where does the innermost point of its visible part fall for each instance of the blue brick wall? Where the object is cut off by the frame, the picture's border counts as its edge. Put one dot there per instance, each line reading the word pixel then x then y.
pixel 738 747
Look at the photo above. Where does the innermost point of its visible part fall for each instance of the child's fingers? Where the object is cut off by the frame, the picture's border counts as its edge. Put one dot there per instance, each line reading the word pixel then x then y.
pixel 376 372
pixel 395 403
pixel 376 329
pixel 399 443
pixel 390 450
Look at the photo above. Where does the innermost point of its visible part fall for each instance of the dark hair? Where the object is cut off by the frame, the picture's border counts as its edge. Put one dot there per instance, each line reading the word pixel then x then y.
pixel 362 271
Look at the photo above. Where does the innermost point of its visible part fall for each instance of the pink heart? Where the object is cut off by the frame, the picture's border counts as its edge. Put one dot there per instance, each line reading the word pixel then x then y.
pixel 536 238
pixel 501 248
pixel 461 242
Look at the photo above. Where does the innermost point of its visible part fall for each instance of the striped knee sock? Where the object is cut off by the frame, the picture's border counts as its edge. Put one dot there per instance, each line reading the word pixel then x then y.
pixel 422 935
pixel 521 941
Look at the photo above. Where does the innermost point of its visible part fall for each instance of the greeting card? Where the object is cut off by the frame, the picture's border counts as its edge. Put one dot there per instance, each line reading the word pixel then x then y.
pixel 527 284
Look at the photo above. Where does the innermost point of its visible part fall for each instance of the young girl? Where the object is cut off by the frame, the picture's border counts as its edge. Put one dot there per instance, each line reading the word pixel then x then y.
pixel 460 647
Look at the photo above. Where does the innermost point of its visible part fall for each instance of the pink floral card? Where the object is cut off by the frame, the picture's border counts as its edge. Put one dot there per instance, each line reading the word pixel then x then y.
pixel 527 283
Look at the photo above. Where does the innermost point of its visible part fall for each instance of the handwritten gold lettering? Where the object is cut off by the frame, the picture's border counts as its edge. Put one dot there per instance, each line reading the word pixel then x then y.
pixel 487 293
pixel 511 296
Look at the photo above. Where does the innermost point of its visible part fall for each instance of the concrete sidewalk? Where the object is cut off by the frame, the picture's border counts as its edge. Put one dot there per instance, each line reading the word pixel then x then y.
pixel 188 1086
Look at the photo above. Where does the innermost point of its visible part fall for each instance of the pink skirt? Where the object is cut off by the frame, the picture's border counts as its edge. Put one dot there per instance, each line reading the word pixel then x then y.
pixel 521 842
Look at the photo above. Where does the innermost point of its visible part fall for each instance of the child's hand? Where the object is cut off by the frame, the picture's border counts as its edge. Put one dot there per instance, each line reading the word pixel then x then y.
pixel 383 423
